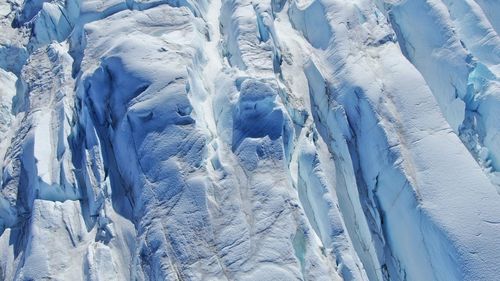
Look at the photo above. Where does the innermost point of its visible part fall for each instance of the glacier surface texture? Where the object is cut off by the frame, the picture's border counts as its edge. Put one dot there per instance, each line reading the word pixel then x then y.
pixel 252 140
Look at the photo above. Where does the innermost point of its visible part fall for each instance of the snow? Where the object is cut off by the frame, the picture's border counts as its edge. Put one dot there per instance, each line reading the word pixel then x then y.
pixel 315 29
pixel 465 51
pixel 7 93
pixel 249 140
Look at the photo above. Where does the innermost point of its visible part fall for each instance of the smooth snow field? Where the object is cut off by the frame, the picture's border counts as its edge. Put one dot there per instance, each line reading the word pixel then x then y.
pixel 252 140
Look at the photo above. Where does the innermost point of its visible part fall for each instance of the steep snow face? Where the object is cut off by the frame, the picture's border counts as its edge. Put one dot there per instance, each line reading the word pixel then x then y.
pixel 462 68
pixel 249 140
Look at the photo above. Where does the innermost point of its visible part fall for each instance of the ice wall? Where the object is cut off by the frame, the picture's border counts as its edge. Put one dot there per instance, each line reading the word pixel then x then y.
pixel 249 140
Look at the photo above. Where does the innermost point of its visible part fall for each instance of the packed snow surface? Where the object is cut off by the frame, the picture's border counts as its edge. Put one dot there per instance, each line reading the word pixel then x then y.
pixel 250 140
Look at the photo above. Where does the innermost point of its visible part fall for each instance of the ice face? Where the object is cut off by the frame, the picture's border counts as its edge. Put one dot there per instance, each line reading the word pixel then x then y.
pixel 249 140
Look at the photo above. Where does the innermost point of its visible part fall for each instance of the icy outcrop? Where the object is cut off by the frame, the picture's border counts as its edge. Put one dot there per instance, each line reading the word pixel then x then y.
pixel 462 70
pixel 249 140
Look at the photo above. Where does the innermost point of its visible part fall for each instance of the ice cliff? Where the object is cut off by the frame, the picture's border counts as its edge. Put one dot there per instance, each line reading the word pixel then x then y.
pixel 250 140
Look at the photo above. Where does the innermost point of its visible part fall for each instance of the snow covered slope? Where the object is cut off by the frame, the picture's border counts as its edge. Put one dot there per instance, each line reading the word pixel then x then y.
pixel 250 140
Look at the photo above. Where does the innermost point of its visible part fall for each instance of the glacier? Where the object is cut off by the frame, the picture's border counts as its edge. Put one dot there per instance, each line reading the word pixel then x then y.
pixel 250 140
